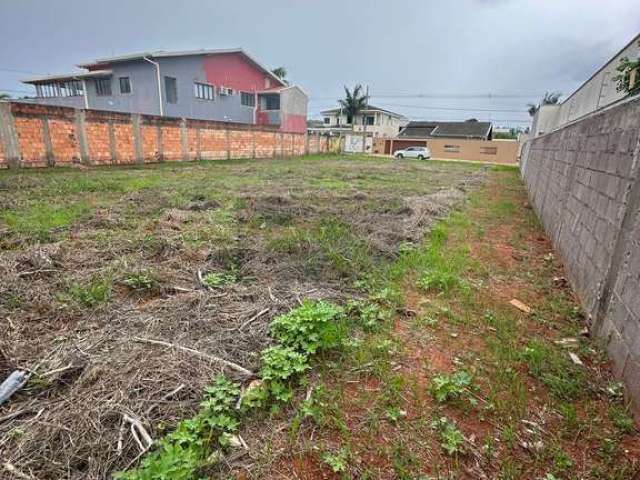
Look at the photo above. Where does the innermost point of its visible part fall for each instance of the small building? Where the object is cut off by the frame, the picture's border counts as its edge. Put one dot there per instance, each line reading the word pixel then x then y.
pixel 469 140
pixel 224 85
pixel 469 129
pixel 378 121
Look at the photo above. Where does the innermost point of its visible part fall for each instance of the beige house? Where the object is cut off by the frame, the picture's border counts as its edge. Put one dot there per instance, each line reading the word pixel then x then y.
pixel 378 121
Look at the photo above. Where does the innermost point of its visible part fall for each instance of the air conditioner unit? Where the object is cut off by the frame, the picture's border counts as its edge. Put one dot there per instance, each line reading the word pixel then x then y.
pixel 226 91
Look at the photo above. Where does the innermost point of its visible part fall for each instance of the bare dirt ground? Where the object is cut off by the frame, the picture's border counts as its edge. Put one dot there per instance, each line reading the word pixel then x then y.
pixel 96 263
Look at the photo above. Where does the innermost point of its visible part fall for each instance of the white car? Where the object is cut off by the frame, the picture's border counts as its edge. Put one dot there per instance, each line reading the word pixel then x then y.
pixel 421 153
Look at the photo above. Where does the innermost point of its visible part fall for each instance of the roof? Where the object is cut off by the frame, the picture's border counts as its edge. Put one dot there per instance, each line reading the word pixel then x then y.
pixel 180 53
pixel 370 108
pixel 69 76
pixel 467 129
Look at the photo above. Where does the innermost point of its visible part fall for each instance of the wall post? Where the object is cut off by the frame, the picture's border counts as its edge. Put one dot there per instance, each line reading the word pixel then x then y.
pixel 184 139
pixel 9 135
pixel 198 143
pixel 81 135
pixel 255 135
pixel 48 147
pixel 160 154
pixel 113 147
pixel 137 137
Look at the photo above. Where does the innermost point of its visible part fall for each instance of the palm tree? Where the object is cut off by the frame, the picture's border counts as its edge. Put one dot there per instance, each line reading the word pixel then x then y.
pixel 280 72
pixel 354 102
pixel 550 98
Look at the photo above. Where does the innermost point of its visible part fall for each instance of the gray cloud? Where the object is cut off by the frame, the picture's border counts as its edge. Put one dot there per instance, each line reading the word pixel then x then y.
pixel 465 46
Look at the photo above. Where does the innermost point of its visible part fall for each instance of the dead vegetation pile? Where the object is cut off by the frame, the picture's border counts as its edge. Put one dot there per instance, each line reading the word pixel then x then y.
pixel 108 377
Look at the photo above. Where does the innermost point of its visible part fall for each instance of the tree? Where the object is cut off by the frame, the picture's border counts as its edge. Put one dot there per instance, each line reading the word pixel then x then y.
pixel 280 72
pixel 550 98
pixel 354 101
pixel 628 77
pixel 5 96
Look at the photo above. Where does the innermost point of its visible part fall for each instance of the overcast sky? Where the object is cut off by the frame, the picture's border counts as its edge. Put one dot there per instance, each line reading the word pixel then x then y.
pixel 460 47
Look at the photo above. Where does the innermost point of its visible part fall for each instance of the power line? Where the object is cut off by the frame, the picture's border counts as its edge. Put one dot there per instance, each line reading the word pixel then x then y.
pixel 453 108
pixel 444 95
pixel 13 70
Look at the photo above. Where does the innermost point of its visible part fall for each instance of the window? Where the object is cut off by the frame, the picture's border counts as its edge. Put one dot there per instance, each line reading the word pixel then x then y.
pixel 370 119
pixel 452 148
pixel 489 150
pixel 247 99
pixel 103 87
pixel 272 102
pixel 349 119
pixel 204 91
pixel 125 85
pixel 171 89
pixel 327 120
pixel 70 88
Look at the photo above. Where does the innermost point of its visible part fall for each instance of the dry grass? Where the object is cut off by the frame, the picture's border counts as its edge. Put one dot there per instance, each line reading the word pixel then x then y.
pixel 92 260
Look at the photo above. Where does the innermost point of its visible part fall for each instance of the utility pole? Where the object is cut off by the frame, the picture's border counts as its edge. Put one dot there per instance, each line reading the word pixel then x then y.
pixel 364 120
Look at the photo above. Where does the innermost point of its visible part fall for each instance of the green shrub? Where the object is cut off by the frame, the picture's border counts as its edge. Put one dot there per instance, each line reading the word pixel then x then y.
pixel 93 293
pixel 315 325
pixel 337 461
pixel 279 366
pixel 446 387
pixel 143 280
pixel 368 314
pixel 451 439
pixel 185 450
pixel 219 279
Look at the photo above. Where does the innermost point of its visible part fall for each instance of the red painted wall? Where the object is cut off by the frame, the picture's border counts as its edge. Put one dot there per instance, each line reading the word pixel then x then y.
pixel 236 71
pixel 293 123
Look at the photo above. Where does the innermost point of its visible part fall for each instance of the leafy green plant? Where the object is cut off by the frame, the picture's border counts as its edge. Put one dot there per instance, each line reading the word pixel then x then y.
pixel 628 77
pixel 338 461
pixel 93 293
pixel 279 366
pixel 451 439
pixel 143 280
pixel 447 387
pixel 313 326
pixel 185 450
pixel 368 314
pixel 219 279
pixel 395 414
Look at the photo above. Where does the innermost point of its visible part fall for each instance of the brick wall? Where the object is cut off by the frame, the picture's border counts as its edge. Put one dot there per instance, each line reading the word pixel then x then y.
pixel 39 136
pixel 583 181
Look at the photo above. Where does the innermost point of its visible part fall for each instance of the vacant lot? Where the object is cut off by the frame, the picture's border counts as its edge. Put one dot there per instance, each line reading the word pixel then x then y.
pixel 96 263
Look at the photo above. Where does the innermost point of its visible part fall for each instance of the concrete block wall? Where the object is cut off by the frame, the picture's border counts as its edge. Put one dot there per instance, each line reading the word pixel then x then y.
pixel 583 180
pixel 34 135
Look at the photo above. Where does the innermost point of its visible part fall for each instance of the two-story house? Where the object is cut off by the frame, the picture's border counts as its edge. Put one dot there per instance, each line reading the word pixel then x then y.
pixel 224 85
pixel 378 121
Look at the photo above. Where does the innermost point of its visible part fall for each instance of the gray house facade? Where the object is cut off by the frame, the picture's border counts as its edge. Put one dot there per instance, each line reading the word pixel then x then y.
pixel 222 85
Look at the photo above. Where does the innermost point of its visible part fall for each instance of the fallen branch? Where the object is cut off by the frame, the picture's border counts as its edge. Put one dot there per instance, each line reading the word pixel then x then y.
pixel 137 427
pixel 252 319
pixel 57 370
pixel 207 356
